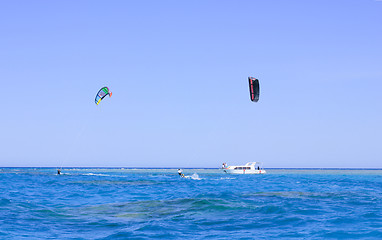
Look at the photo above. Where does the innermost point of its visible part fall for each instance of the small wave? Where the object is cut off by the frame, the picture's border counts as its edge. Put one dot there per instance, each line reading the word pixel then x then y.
pixel 226 178
pixel 96 174
pixel 112 182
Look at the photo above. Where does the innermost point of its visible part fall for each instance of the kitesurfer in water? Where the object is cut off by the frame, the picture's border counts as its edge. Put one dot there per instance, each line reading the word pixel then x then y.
pixel 180 173
pixel 58 171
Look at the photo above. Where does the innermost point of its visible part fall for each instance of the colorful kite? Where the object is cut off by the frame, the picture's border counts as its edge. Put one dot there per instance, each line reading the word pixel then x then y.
pixel 254 89
pixel 102 93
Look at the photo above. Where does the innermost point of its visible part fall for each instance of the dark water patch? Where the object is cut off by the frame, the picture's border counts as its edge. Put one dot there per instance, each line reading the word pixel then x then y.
pixel 301 195
pixel 105 224
pixel 350 234
pixel 271 209
pixel 52 214
pixel 4 202
pixel 377 216
pixel 175 208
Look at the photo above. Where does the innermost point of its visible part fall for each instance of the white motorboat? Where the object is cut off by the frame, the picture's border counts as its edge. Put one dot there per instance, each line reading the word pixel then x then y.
pixel 249 168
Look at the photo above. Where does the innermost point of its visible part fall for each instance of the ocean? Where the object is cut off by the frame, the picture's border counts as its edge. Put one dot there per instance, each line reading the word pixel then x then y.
pixel 36 203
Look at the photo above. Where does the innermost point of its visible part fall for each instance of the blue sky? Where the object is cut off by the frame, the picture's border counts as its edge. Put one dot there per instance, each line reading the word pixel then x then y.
pixel 178 72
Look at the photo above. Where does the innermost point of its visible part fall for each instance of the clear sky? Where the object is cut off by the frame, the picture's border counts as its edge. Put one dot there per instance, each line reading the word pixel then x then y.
pixel 178 72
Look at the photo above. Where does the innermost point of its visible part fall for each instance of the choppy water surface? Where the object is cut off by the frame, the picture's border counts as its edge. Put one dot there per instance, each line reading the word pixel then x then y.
pixel 156 203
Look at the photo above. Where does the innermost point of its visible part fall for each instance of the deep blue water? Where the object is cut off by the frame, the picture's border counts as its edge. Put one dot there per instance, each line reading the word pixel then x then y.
pixel 156 203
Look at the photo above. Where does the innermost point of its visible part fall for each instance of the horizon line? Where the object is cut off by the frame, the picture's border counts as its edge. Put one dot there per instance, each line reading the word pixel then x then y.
pixel 301 168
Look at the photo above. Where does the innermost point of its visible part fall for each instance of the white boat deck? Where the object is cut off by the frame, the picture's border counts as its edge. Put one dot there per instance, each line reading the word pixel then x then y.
pixel 249 168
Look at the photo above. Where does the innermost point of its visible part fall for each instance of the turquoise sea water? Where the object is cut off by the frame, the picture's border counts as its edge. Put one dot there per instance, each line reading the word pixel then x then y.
pixel 157 203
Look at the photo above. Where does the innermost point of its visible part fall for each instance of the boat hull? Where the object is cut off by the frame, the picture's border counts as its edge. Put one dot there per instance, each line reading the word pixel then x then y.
pixel 243 171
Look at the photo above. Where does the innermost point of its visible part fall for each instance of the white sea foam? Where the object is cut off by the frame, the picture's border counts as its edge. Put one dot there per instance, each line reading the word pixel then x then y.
pixel 96 174
pixel 194 176
pixel 63 173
